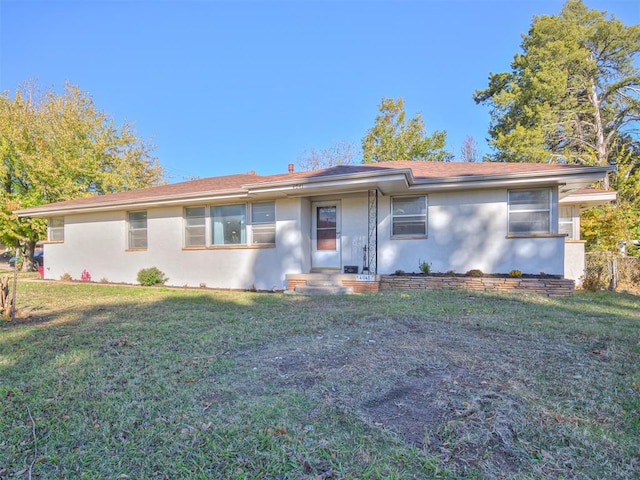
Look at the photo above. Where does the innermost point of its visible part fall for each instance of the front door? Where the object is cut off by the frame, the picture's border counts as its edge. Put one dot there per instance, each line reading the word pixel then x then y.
pixel 325 235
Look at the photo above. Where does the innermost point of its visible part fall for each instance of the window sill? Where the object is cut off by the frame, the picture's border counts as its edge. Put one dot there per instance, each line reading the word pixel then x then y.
pixel 536 235
pixel 228 247
pixel 409 237
pixel 48 242
pixel 135 250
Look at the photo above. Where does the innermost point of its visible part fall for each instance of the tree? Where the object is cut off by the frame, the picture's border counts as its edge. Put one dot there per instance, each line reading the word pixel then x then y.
pixel 60 147
pixel 469 150
pixel 392 138
pixel 605 227
pixel 342 153
pixel 572 95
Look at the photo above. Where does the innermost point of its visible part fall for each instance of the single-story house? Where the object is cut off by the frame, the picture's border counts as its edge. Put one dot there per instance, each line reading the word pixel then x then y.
pixel 250 231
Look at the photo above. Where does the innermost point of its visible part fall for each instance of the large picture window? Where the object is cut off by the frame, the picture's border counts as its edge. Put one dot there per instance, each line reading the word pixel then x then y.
pixel 409 216
pixel 55 230
pixel 137 230
pixel 263 223
pixel 229 224
pixel 530 211
pixel 195 229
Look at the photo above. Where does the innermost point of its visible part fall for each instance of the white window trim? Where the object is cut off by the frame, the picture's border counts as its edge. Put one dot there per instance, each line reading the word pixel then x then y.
pixel 248 225
pixel 252 223
pixel 131 229
pixel 52 230
pixel 553 213
pixel 206 227
pixel 426 218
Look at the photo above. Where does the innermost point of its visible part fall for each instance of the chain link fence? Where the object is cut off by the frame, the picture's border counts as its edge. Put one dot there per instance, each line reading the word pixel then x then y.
pixel 604 270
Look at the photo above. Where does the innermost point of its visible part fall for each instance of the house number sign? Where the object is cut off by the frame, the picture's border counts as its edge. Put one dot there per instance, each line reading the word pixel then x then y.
pixel 365 278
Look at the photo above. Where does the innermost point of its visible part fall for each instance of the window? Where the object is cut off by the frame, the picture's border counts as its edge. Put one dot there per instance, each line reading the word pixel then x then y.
pixel 565 223
pixel 195 229
pixel 229 224
pixel 263 223
pixel 409 216
pixel 55 230
pixel 137 229
pixel 530 211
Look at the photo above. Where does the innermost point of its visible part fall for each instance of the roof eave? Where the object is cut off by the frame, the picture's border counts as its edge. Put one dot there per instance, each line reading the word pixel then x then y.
pixel 183 199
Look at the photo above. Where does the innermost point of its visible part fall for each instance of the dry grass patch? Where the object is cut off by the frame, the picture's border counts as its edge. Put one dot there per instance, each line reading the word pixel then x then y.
pixel 169 383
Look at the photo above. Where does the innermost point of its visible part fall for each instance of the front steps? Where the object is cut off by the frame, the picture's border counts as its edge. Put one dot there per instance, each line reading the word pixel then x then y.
pixel 323 284
pixel 330 284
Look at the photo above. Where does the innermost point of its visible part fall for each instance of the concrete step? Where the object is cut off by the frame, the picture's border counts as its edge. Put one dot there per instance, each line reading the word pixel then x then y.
pixel 321 282
pixel 323 290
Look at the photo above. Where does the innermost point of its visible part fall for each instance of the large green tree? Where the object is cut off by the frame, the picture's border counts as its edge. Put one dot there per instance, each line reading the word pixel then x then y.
pixel 572 95
pixel 605 227
pixel 56 147
pixel 393 138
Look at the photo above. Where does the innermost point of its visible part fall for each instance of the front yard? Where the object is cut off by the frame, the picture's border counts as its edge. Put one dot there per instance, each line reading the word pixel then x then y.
pixel 103 381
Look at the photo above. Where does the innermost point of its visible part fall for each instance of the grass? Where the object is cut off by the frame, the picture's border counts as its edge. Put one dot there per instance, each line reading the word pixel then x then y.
pixel 102 381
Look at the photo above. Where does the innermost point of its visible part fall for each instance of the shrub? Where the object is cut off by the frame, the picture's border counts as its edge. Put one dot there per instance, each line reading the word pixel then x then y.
pixel 66 277
pixel 515 273
pixel 151 276
pixel 594 282
pixel 474 273
pixel 451 273
pixel 425 267
pixel 399 272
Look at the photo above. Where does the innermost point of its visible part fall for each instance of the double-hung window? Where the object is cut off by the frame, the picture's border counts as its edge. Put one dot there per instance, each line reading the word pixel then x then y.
pixel 195 230
pixel 55 230
pixel 138 230
pixel 530 211
pixel 263 223
pixel 229 224
pixel 409 216
pixel 566 223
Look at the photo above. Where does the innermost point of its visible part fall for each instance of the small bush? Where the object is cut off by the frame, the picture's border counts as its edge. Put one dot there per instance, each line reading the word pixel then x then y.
pixel 451 272
pixel 104 280
pixel 399 272
pixel 151 276
pixel 474 273
pixel 515 273
pixel 594 283
pixel 425 267
pixel 66 277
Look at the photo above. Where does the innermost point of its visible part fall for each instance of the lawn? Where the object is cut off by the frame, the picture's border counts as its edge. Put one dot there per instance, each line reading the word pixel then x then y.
pixel 103 381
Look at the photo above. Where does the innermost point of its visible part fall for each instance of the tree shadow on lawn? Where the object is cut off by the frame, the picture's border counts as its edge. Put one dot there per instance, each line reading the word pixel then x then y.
pixel 481 382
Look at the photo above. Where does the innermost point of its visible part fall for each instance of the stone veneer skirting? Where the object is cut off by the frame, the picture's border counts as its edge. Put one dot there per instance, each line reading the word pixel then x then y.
pixel 548 286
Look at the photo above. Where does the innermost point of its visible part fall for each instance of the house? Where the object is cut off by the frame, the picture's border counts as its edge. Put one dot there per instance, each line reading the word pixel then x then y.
pixel 251 231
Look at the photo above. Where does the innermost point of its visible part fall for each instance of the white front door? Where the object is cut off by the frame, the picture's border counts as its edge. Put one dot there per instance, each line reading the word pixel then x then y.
pixel 325 235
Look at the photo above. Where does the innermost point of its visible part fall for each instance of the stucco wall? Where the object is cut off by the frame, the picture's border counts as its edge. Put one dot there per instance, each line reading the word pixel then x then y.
pixel 574 261
pixel 97 243
pixel 467 230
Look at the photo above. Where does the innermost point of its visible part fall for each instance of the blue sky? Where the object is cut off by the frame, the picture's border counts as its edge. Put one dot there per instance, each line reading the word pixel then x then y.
pixel 225 87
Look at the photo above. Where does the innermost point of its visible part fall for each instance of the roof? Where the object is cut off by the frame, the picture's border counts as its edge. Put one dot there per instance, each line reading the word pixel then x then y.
pixel 386 176
pixel 589 197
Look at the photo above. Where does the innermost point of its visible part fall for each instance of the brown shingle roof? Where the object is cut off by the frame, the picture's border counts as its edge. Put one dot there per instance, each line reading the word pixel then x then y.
pixel 230 183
